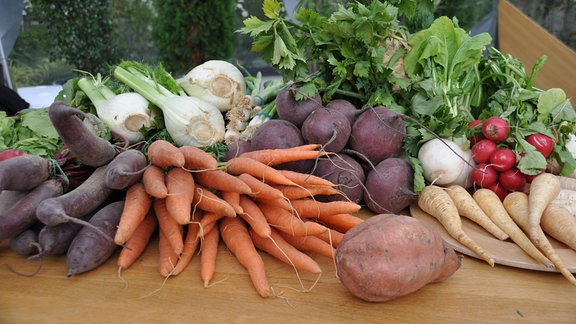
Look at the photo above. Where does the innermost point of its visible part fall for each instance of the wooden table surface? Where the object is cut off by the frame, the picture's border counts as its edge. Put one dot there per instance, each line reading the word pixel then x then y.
pixel 476 293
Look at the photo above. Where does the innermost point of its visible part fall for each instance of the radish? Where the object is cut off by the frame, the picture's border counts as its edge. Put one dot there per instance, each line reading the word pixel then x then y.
pixel 499 190
pixel 10 153
pixel 484 175
pixel 503 159
pixel 442 161
pixel 543 143
pixel 512 180
pixel 482 150
pixel 495 128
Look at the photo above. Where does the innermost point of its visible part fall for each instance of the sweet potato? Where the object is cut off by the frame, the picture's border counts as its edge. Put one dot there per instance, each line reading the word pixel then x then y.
pixel 125 169
pixel 389 256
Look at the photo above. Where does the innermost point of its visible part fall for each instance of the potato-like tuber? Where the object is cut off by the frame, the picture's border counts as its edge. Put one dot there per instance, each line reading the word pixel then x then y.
pixel 390 256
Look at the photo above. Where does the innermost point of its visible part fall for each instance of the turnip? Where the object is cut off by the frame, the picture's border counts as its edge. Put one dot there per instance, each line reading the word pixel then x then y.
pixel 346 173
pixel 442 161
pixel 330 128
pixel 378 133
pixel 495 128
pixel 292 110
pixel 464 179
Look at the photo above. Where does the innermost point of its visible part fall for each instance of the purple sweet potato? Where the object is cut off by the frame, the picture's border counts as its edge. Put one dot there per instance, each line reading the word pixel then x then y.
pixel 23 172
pixel 389 256
pixel 125 169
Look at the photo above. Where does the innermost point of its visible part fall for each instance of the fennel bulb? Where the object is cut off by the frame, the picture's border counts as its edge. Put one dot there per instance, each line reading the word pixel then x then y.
pixel 125 113
pixel 188 120
pixel 217 82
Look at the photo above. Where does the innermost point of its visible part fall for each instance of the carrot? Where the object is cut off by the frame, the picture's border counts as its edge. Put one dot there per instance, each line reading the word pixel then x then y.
pixel 165 154
pixel 305 179
pixel 207 221
pixel 278 156
pixel 190 245
pixel 208 253
pixel 277 246
pixel 180 184
pixel 254 216
pixel 310 208
pixel 169 226
pixel 235 235
pixel 560 224
pixel 311 244
pixel 543 189
pixel 493 207
pixel 283 203
pixel 196 158
pixel 264 172
pixel 233 198
pixel 332 237
pixel 154 180
pixel 209 201
pixel 516 203
pixel 221 180
pixel 297 192
pixel 468 208
pixel 260 189
pixel 137 204
pixel 436 202
pixel 340 222
pixel 137 242
pixel 287 222
pixel 167 256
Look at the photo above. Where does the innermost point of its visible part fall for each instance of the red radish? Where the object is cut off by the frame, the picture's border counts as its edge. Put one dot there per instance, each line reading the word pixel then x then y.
pixel 10 153
pixel 499 190
pixel 495 128
pixel 484 175
pixel 543 143
pixel 512 180
pixel 482 150
pixel 474 123
pixel 503 159
pixel 530 177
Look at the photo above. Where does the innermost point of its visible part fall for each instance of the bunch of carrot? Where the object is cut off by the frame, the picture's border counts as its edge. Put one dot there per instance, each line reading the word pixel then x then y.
pixel 194 201
pixel 525 218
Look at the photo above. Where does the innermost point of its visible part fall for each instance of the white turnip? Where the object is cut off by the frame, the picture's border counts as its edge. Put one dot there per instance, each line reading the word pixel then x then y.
pixel 442 161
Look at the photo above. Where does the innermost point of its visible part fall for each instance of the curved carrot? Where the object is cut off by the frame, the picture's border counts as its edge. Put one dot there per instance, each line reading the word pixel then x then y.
pixel 310 243
pixel 278 156
pixel 287 222
pixel 264 172
pixel 260 189
pixel 196 158
pixel 190 245
pixel 233 198
pixel 305 179
pixel 167 257
pixel 297 192
pixel 340 222
pixel 168 226
pixel 331 236
pixel 180 184
pixel 254 216
pixel 154 180
pixel 221 180
pixel 208 253
pixel 138 241
pixel 137 204
pixel 209 201
pixel 311 208
pixel 165 154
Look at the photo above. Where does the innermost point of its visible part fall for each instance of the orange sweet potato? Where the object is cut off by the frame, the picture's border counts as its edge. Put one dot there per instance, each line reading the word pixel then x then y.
pixel 390 256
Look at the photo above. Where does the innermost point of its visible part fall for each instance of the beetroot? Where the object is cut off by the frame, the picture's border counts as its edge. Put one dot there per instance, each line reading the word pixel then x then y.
pixel 346 173
pixel 378 133
pixel 345 107
pixel 237 148
pixel 327 127
pixel 292 110
pixel 389 186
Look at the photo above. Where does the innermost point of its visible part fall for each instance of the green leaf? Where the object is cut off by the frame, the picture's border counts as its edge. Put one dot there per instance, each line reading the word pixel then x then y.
pixel 271 8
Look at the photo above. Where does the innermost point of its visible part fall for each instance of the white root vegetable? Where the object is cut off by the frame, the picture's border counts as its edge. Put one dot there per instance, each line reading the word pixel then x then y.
pixel 442 161
pixel 464 179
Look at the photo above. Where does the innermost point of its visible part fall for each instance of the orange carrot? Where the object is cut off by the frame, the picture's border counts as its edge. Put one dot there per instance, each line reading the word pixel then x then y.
pixel 165 154
pixel 279 156
pixel 196 158
pixel 209 201
pixel 167 256
pixel 221 180
pixel 207 221
pixel 168 225
pixel 258 188
pixel 180 184
pixel 261 171
pixel 297 192
pixel 277 246
pixel 305 179
pixel 310 208
pixel 254 216
pixel 137 204
pixel 233 198
pixel 340 222
pixel 208 253
pixel 190 245
pixel 331 236
pixel 310 243
pixel 138 241
pixel 235 235
pixel 287 222
pixel 283 203
pixel 154 180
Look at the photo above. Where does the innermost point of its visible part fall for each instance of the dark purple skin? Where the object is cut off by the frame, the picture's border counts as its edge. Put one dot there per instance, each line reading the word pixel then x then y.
pixel 292 110
pixel 346 173
pixel 25 243
pixel 55 240
pixel 89 249
pixel 125 169
pixel 23 172
pixel 327 127
pixel 378 133
pixel 389 186
pixel 23 214
pixel 344 106
pixel 237 148
pixel 86 146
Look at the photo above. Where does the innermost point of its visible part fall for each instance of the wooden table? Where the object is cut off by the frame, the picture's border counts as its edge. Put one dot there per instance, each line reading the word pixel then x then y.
pixel 476 293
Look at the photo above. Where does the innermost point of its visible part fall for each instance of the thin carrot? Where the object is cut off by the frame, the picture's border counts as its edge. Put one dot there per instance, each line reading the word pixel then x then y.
pixel 310 243
pixel 221 180
pixel 190 246
pixel 517 205
pixel 279 156
pixel 468 207
pixel 209 201
pixel 168 225
pixel 493 207
pixel 543 189
pixel 166 255
pixel 165 154
pixel 207 222
pixel 138 241
pixel 196 158
pixel 260 189
pixel 331 236
pixel 235 235
pixel 180 184
pixel 154 180
pixel 297 192
pixel 283 203
pixel 311 208
pixel 278 247
pixel 233 198
pixel 208 253
pixel 261 171
pixel 340 222
pixel 436 202
pixel 305 179
pixel 254 216
pixel 137 204
pixel 287 222
pixel 560 224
